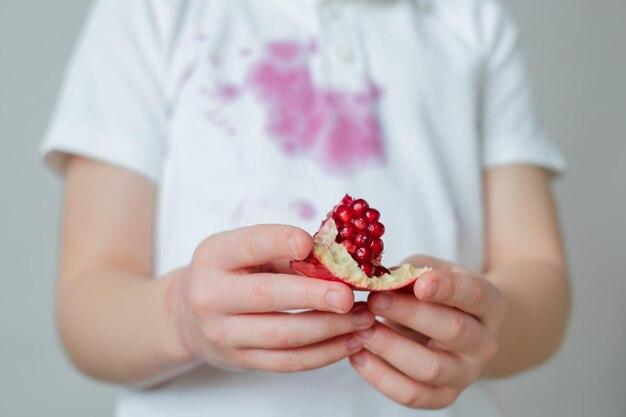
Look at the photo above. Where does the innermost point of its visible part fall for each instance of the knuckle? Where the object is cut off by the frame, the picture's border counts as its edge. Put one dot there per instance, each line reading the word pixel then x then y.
pixel 491 349
pixel 250 244
pixel 199 302
pixel 202 252
pixel 332 326
pixel 262 294
pixel 448 398
pixel 433 371
pixel 280 239
pixel 375 378
pixel 477 298
pixel 285 337
pixel 218 335
pixel 410 399
pixel 312 295
pixel 458 327
pixel 241 359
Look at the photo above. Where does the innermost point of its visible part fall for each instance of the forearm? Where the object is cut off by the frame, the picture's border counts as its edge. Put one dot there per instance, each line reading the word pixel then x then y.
pixel 537 308
pixel 115 327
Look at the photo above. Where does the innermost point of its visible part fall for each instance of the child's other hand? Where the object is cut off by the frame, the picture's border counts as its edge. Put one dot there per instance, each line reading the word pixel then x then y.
pixel 453 319
pixel 229 310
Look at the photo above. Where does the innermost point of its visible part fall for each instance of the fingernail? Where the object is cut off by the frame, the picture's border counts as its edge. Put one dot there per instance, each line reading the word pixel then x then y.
pixel 359 359
pixel 333 299
pixel 362 318
pixel 382 302
pixel 292 243
pixel 366 334
pixel 354 344
pixel 432 289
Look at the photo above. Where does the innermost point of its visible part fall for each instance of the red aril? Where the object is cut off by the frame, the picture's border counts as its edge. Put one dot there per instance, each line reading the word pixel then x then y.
pixel 343 214
pixel 359 206
pixel 376 247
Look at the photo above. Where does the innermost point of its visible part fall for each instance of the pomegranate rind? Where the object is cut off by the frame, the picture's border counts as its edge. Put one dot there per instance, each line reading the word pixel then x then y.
pixel 330 261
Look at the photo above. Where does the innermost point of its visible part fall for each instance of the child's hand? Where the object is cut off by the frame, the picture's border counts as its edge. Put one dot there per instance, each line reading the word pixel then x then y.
pixel 227 306
pixel 456 317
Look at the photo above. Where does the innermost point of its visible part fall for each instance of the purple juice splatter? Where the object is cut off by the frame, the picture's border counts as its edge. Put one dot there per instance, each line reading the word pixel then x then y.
pixel 227 92
pixel 305 209
pixel 339 129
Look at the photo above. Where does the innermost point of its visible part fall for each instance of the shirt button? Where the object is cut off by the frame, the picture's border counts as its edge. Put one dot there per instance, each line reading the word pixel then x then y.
pixel 332 10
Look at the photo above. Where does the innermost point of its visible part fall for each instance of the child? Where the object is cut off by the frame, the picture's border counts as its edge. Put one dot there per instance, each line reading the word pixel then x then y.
pixel 188 131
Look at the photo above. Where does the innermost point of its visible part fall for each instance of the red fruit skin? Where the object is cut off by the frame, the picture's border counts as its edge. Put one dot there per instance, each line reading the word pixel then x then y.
pixel 311 267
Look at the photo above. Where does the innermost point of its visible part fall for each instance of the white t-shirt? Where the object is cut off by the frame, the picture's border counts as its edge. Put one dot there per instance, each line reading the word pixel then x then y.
pixel 268 111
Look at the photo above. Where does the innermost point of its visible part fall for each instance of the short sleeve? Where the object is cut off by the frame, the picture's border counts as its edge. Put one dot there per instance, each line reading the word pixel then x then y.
pixel 510 129
pixel 112 106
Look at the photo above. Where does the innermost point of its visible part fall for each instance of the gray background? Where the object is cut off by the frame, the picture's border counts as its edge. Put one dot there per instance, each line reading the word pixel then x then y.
pixel 577 57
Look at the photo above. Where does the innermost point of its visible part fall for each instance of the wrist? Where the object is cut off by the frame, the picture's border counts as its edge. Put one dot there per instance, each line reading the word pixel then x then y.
pixel 174 343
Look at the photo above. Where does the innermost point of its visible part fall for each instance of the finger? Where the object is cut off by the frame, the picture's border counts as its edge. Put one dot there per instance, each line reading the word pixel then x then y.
pixel 399 387
pixel 474 295
pixel 279 266
pixel 458 331
pixel 412 359
pixel 262 293
pixel 424 260
pixel 286 330
pixel 253 246
pixel 299 359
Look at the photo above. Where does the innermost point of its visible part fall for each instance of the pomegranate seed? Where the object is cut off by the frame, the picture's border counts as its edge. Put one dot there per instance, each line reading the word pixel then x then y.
pixel 360 206
pixel 368 268
pixel 372 215
pixel 346 200
pixel 347 231
pixel 360 223
pixel 344 214
pixel 362 239
pixel 376 229
pixel 380 270
pixel 363 255
pixel 377 247
pixel 350 246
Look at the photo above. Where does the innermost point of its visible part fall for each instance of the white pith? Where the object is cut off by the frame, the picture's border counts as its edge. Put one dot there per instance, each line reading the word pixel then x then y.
pixel 338 261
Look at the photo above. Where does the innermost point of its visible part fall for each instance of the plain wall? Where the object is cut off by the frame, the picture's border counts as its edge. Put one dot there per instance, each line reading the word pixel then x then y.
pixel 576 52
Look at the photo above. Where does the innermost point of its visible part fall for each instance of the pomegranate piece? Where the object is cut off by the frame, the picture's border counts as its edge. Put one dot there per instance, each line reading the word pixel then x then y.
pixel 348 248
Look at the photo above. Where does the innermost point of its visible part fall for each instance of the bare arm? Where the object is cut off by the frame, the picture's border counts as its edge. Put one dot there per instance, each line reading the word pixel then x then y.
pixel 110 313
pixel 224 308
pixel 526 261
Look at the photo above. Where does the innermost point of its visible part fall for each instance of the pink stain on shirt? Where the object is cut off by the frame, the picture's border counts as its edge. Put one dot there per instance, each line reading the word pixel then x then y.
pixel 227 92
pixel 339 129
pixel 283 50
pixel 305 209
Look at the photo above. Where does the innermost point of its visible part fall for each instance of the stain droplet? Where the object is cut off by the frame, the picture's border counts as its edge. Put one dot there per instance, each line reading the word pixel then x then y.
pixel 305 209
